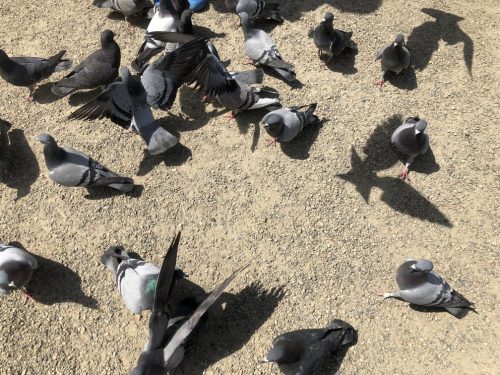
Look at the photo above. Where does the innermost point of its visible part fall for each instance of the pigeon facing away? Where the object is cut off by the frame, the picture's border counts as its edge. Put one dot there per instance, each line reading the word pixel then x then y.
pixel 256 9
pixel 159 358
pixel 70 167
pixel 28 71
pixel 126 7
pixel 285 124
pixel 100 68
pixel 261 49
pixel 302 352
pixel 411 139
pixel 16 268
pixel 331 41
pixel 420 285
pixel 393 58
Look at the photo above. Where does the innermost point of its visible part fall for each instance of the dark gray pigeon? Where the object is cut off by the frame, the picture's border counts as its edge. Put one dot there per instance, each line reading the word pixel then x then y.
pixel 331 41
pixel 261 49
pixel 393 58
pixel 285 124
pixel 420 285
pixel 70 167
pixel 302 352
pixel 16 268
pixel 99 69
pixel 256 9
pixel 166 351
pixel 411 139
pixel 28 71
pixel 126 7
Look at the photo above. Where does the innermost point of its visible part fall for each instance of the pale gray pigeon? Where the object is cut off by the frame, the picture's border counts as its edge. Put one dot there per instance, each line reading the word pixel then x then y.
pixel 99 69
pixel 256 9
pixel 16 268
pixel 126 7
pixel 261 49
pixel 70 167
pixel 329 40
pixel 302 352
pixel 420 285
pixel 393 58
pixel 28 71
pixel 411 139
pixel 285 124
pixel 158 359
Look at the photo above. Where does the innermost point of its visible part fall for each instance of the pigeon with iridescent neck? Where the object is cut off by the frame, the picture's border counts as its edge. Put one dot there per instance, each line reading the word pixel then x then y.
pixel 420 285
pixel 393 58
pixel 16 268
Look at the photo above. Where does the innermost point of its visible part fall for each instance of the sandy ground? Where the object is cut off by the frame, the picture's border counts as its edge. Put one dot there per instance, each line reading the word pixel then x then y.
pixel 323 220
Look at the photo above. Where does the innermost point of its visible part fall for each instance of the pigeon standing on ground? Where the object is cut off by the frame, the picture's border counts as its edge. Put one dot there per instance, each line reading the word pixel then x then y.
pixel 126 7
pixel 285 124
pixel 166 351
pixel 331 41
pixel 261 49
pixel 16 268
pixel 70 167
pixel 411 139
pixel 420 285
pixel 256 9
pixel 302 352
pixel 393 58
pixel 28 71
pixel 99 69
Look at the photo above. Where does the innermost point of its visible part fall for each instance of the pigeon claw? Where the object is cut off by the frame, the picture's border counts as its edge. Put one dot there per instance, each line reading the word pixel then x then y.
pixel 273 142
pixel 380 84
pixel 28 297
pixel 231 115
pixel 404 174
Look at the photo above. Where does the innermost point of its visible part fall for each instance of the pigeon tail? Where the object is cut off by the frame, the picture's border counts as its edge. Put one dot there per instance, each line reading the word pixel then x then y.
pixel 126 186
pixel 103 3
pixel 61 90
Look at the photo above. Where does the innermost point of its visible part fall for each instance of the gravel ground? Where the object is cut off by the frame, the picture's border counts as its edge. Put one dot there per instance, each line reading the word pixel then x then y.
pixel 323 220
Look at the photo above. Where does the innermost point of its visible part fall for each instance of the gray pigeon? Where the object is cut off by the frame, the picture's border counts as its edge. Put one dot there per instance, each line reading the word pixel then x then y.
pixel 393 58
pixel 419 285
pixel 411 139
pixel 28 71
pixel 331 41
pixel 70 167
pixel 285 124
pixel 126 7
pixel 100 68
pixel 166 351
pixel 302 352
pixel 261 49
pixel 137 280
pixel 256 9
pixel 16 268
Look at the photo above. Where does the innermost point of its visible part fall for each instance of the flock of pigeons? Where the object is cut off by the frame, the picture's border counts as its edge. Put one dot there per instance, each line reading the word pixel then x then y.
pixel 127 101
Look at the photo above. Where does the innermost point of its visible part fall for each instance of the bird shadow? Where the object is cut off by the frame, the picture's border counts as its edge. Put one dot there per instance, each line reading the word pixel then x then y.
pixel 53 283
pixel 22 168
pixel 138 20
pixel 423 41
pixel 175 156
pixel 230 324
pixel 205 32
pixel 246 119
pixel 5 126
pixel 195 115
pixel 105 192
pixel 299 147
pixel 44 95
pixel 82 97
pixel 344 63
pixel 406 80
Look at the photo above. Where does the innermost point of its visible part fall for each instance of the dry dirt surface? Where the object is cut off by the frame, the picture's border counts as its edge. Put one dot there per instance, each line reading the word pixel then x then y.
pixel 323 220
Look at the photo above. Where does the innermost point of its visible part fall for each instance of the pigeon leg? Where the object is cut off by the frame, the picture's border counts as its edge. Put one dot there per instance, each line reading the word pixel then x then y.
pixel 273 142
pixel 387 295
pixel 381 82
pixel 404 174
pixel 28 296
pixel 231 116
pixel 137 317
pixel 32 91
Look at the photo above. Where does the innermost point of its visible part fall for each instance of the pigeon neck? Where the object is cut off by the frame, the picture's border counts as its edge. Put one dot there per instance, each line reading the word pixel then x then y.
pixel 328 26
pixel 53 154
pixel 407 278
pixel 420 140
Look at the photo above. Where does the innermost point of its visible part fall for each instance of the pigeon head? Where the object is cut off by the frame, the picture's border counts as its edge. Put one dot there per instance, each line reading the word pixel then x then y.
pixel 399 40
pixel 329 17
pixel 274 125
pixel 420 126
pixel 107 36
pixel 422 265
pixel 46 139
pixel 3 55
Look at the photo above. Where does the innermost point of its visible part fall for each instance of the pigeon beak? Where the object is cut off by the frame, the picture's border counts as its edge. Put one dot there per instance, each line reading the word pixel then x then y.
pixel 395 44
pixel 40 140
pixel 417 132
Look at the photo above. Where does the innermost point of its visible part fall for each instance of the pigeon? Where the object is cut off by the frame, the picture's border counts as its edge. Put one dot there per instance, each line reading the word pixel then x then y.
pixel 70 167
pixel 137 280
pixel 420 285
pixel 393 58
pixel 331 41
pixel 411 139
pixel 261 49
pixel 16 268
pixel 126 7
pixel 166 351
pixel 171 16
pixel 256 9
pixel 285 124
pixel 302 352
pixel 100 68
pixel 28 71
